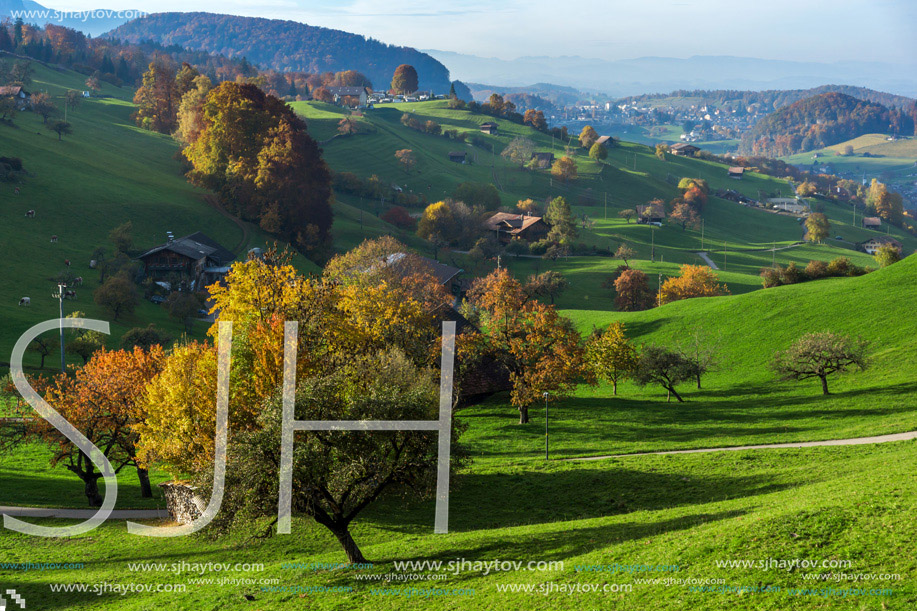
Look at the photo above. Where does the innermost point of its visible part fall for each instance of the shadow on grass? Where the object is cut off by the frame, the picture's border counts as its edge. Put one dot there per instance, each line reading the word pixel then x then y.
pixel 502 500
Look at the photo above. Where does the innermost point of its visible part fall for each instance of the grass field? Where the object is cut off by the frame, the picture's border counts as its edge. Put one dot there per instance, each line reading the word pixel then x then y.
pixel 681 516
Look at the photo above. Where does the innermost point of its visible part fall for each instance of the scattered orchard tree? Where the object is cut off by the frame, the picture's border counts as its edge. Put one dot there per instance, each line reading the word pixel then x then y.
pixel 818 227
pixel 819 355
pixel 587 137
pixel 564 169
pixel 887 255
pixel 633 291
pixel 546 284
pixel 611 356
pixel 667 368
pixel 625 252
pixel 118 295
pixel 407 159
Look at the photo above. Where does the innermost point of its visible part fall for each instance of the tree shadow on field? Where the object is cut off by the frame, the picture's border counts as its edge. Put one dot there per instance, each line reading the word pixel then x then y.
pixel 587 490
pixel 561 541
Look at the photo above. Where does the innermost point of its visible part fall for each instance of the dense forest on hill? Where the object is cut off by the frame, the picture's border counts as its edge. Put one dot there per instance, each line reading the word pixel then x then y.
pixel 823 120
pixel 286 46
pixel 776 99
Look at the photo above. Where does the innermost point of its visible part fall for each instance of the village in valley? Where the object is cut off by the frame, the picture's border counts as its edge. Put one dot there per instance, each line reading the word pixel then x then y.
pixel 293 316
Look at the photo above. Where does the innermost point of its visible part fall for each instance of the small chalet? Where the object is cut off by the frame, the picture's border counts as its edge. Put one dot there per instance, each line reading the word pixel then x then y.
pixel 543 160
pixel 871 245
pixel 736 172
pixel 606 141
pixel 458 156
pixel 508 226
pixel 489 128
pixel 650 213
pixel 23 98
pixel 872 222
pixel 684 149
pixel 406 264
pixel 358 93
pixel 195 260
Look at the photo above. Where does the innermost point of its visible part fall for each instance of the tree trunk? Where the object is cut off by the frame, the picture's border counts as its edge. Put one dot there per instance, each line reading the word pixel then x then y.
pixel 523 415
pixel 145 490
pixel 824 385
pixel 698 381
pixel 614 387
pixel 354 555
pixel 677 396
pixel 92 489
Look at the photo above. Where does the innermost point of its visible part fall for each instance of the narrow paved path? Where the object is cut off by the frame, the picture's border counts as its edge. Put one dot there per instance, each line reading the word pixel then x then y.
pixel 82 514
pixel 856 441
pixel 707 260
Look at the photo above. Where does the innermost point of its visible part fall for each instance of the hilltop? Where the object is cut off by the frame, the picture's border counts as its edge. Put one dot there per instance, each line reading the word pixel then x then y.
pixel 823 120
pixel 286 46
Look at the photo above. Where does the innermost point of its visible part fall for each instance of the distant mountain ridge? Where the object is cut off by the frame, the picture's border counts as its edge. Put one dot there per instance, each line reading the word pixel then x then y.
pixel 627 77
pixel 775 99
pixel 286 45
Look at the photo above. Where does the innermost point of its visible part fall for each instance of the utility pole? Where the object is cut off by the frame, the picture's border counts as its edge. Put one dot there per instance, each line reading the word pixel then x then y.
pixel 546 457
pixel 724 254
pixel 606 205
pixel 60 299
pixel 653 246
pixel 703 225
pixel 774 255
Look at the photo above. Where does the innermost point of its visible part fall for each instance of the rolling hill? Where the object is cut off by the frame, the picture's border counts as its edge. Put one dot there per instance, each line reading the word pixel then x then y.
pixel 287 45
pixel 823 120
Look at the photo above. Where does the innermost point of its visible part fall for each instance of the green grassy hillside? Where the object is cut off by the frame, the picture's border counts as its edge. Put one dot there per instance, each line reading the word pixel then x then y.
pixel 689 513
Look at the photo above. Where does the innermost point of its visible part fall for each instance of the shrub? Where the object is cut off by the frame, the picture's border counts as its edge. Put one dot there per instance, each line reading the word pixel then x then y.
pixel 791 274
pixel 816 270
pixel 400 218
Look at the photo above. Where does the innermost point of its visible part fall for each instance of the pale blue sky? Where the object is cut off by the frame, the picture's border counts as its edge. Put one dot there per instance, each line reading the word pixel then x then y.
pixel 805 30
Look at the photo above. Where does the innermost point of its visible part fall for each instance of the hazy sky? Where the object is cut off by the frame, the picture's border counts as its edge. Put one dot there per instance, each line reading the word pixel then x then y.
pixel 808 30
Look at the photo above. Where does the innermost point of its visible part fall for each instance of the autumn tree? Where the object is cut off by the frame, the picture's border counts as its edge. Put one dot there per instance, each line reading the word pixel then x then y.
pixel 693 281
pixel 540 349
pixel 611 355
pixel 564 169
pixel 94 82
pixel 627 214
pixel 819 355
pixel 661 150
pixel 598 152
pixel 61 128
pixel 587 137
pixel 632 291
pixel 887 254
pixel 144 337
pixel 667 368
pixel 157 99
pixel 519 151
pixel 448 222
pixel 684 214
pixel 256 153
pixel 546 284
pixel 405 79
pixel 118 295
pixel 806 189
pixel 625 252
pixel 366 350
pixel 536 119
pixel 190 110
pixel 83 342
pixel 527 206
pixel 43 106
pixel 407 159
pixel 102 400
pixel 818 227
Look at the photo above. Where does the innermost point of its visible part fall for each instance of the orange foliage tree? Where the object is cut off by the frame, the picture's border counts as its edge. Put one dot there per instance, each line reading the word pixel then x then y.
pixel 694 281
pixel 102 400
pixel 541 349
